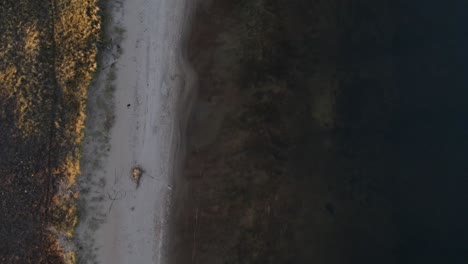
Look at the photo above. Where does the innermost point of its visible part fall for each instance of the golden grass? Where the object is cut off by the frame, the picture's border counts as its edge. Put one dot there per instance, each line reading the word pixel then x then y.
pixel 49 52
pixel 77 31
pixel 23 71
pixel 32 41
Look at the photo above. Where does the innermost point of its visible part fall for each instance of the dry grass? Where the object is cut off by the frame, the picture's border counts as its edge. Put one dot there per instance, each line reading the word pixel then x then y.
pixel 77 29
pixel 48 56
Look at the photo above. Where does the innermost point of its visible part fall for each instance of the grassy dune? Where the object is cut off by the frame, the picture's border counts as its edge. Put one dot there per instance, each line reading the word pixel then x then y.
pixel 47 60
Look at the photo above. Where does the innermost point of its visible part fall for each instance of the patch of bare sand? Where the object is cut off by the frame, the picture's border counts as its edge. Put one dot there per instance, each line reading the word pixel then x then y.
pixel 121 223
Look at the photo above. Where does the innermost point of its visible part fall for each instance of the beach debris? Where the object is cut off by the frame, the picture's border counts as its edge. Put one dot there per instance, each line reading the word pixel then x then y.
pixel 137 172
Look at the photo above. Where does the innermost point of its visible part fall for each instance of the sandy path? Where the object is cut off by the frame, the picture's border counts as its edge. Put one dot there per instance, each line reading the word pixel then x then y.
pixel 154 79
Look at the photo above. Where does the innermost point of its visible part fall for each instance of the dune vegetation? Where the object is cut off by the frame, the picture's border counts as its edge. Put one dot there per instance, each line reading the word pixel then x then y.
pixel 48 55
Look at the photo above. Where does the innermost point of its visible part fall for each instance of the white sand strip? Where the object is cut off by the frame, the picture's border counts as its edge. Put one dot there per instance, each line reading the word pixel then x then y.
pixel 154 79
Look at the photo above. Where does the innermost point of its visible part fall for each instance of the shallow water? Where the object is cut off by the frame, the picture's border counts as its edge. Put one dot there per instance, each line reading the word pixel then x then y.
pixel 384 182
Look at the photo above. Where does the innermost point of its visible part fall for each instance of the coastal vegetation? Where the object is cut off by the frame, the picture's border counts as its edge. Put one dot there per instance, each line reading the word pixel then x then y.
pixel 48 55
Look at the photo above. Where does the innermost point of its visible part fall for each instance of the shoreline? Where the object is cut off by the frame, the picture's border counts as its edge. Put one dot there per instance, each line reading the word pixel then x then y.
pixel 122 223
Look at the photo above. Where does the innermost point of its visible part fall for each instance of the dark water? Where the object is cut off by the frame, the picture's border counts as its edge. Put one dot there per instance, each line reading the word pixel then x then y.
pixel 431 135
pixel 416 120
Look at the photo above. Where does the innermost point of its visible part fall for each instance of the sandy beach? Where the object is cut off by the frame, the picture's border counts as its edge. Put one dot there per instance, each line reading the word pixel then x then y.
pixel 123 223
